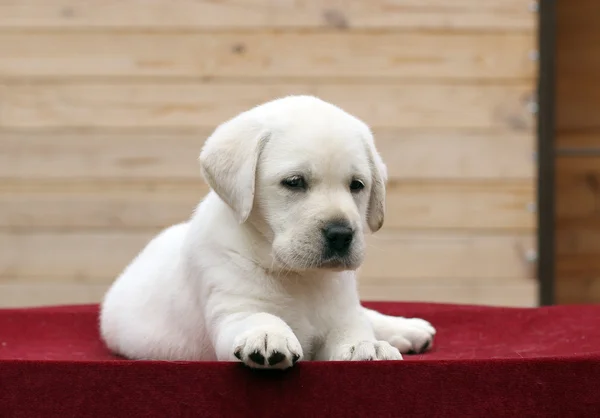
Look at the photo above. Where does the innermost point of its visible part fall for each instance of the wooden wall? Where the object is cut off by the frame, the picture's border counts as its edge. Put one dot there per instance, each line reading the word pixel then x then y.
pixel 104 106
pixel 578 149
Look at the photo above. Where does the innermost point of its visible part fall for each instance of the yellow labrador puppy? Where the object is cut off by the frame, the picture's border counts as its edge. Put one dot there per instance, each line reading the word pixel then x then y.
pixel 264 272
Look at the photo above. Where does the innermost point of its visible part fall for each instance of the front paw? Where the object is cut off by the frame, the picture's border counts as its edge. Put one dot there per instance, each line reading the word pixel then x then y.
pixel 268 348
pixel 367 350
pixel 408 335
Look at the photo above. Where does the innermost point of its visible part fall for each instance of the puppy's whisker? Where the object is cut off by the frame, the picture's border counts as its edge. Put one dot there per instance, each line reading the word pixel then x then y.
pixel 371 245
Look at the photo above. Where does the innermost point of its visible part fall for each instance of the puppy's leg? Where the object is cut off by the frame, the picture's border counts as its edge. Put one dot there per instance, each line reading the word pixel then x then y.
pixel 408 335
pixel 352 338
pixel 260 340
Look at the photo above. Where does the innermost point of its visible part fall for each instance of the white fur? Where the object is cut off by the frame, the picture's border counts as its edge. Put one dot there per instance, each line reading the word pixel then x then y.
pixel 247 276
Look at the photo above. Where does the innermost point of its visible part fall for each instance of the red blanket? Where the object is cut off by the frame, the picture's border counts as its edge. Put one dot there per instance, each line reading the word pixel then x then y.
pixel 486 362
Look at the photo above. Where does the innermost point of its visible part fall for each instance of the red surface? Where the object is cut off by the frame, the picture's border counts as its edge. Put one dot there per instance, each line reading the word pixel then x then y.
pixel 542 362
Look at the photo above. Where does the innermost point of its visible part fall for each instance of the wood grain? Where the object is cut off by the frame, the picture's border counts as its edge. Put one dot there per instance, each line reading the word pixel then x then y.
pixel 582 263
pixel 577 217
pixel 94 257
pixel 253 14
pixel 578 101
pixel 122 206
pixel 578 291
pixel 491 292
pixel 578 191
pixel 579 50
pixel 16 295
pixel 462 205
pixel 409 154
pixel 502 292
pixel 577 184
pixel 190 105
pixel 422 255
pixel 105 104
pixel 266 55
pixel 578 66
pixel 589 140
pixel 582 17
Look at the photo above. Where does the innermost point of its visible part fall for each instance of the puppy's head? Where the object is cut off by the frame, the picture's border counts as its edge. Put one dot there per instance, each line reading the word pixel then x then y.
pixel 306 174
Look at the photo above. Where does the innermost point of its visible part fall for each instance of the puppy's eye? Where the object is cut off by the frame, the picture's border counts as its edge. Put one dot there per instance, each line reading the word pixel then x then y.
pixel 356 186
pixel 294 183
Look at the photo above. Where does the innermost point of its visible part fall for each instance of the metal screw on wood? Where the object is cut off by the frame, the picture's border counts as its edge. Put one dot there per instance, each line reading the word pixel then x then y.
pixel 534 55
pixel 531 207
pixel 531 256
pixel 534 7
pixel 532 107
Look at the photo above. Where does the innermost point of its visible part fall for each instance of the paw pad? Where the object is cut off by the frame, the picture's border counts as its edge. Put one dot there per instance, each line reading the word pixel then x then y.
pixel 276 357
pixel 258 358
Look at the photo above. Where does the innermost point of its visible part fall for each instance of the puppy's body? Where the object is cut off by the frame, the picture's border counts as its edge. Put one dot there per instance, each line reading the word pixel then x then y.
pixel 265 269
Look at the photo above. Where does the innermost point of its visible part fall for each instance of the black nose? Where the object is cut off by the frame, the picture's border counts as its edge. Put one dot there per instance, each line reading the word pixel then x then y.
pixel 339 237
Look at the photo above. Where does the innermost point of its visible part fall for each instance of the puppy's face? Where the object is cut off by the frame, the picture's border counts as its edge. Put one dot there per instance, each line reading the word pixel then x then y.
pixel 313 185
pixel 306 174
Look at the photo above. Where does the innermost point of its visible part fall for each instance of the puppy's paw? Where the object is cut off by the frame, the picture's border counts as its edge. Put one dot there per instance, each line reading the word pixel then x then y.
pixel 366 351
pixel 268 348
pixel 408 335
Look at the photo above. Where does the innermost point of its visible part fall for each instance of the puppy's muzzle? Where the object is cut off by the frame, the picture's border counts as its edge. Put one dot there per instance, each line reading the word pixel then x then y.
pixel 338 239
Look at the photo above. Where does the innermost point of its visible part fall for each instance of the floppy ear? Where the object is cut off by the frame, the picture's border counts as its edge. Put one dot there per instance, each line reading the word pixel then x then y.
pixel 376 210
pixel 228 161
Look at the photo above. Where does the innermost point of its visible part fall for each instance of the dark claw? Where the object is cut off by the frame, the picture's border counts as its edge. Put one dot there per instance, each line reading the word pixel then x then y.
pixel 425 346
pixel 295 358
pixel 238 354
pixel 257 358
pixel 275 358
pixel 411 352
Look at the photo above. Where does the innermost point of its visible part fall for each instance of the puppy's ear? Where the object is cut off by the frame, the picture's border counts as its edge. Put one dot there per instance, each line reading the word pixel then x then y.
pixel 376 210
pixel 228 161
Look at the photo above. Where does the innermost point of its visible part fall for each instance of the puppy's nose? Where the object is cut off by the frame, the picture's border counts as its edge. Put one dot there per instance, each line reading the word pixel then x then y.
pixel 339 237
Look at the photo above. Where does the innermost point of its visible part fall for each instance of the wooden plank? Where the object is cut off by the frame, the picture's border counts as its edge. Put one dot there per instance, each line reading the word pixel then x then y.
pixel 578 66
pixel 410 205
pixel 99 206
pixel 451 155
pixel 266 55
pixel 577 249
pixel 577 178
pixel 578 291
pixel 578 140
pixel 462 205
pixel 14 295
pixel 578 101
pixel 436 255
pixel 577 217
pixel 456 155
pixel 578 192
pixel 187 105
pixel 252 14
pixel 578 50
pixel 502 292
pixel 577 257
pixel 92 257
pixel 570 18
pixel 165 156
pixel 491 292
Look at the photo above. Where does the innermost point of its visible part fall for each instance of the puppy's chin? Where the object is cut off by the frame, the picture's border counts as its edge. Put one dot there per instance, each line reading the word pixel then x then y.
pixel 340 263
pixel 297 262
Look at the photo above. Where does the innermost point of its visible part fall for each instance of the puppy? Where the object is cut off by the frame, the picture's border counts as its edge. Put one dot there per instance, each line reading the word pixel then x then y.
pixel 264 272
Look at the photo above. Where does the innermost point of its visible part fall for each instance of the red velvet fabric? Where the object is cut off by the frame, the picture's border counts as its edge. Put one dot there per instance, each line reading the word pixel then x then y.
pixel 486 362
